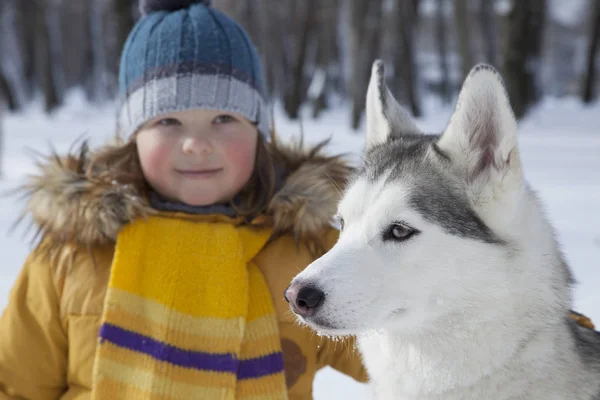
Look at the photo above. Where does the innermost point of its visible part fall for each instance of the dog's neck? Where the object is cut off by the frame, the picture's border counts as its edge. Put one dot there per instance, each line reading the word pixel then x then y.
pixel 460 354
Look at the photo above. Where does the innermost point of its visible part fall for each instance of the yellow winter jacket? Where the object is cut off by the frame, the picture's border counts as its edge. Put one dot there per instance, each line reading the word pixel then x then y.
pixel 48 333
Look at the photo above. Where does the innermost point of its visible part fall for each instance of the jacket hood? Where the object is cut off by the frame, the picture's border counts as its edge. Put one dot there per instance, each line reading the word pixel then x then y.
pixel 70 205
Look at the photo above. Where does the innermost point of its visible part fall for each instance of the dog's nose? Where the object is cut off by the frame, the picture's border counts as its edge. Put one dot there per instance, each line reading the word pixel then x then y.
pixel 309 297
pixel 304 300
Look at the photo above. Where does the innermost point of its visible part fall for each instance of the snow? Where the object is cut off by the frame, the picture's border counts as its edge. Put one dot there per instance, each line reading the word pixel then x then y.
pixel 560 147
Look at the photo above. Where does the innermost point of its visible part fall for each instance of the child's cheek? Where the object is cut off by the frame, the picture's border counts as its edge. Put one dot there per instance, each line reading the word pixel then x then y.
pixel 154 157
pixel 241 154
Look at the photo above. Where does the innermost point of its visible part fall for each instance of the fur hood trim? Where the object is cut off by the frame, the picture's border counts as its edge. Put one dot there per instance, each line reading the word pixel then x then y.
pixel 70 206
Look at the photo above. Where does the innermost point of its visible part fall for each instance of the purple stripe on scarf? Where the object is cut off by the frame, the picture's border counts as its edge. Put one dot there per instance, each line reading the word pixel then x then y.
pixel 260 366
pixel 165 352
pixel 246 369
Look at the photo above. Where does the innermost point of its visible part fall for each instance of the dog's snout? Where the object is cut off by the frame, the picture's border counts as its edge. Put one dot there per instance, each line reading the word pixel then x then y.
pixel 304 300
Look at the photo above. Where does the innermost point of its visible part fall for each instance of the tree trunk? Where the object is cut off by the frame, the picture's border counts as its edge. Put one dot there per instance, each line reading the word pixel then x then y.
pixel 95 54
pixel 294 96
pixel 463 30
pixel 364 42
pixel 487 19
pixel 45 57
pixel 5 91
pixel 267 46
pixel 1 139
pixel 326 54
pixel 26 14
pixel 281 63
pixel 87 50
pixel 13 86
pixel 125 20
pixel 443 51
pixel 523 53
pixel 590 75
pixel 6 94
pixel 404 61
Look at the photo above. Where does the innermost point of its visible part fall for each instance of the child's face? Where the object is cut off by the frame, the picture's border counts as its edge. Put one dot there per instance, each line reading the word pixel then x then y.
pixel 198 157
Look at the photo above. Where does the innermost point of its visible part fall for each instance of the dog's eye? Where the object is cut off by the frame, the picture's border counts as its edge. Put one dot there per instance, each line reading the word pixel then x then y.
pixel 398 232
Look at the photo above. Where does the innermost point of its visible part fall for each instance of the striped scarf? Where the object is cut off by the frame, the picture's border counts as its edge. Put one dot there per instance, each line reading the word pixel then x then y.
pixel 187 314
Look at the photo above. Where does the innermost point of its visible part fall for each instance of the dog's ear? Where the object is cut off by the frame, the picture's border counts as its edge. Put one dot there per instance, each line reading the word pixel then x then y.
pixel 481 137
pixel 385 117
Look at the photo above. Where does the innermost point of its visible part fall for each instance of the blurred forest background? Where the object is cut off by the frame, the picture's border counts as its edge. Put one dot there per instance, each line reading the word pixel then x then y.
pixel 318 53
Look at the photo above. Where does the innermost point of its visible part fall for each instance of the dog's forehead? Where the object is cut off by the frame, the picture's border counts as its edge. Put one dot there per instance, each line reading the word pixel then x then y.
pixel 412 164
pixel 398 157
pixel 363 193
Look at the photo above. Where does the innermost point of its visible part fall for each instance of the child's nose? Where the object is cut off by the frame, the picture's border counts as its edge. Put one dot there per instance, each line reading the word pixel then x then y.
pixel 197 145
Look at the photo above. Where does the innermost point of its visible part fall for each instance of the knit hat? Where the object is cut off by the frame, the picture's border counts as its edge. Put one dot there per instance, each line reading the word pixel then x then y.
pixel 184 54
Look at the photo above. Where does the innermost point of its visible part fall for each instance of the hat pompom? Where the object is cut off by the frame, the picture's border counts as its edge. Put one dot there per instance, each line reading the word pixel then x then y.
pixel 149 6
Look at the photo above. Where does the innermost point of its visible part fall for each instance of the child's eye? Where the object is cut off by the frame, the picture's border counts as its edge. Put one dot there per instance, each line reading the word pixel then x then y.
pixel 168 122
pixel 224 119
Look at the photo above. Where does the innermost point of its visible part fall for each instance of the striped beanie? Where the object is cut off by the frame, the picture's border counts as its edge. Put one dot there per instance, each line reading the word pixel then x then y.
pixel 182 55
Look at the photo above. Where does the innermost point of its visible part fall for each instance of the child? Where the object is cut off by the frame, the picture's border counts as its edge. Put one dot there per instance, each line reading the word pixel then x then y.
pixel 163 259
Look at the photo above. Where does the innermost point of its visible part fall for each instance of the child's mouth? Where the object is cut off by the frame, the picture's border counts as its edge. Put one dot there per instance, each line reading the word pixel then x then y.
pixel 200 173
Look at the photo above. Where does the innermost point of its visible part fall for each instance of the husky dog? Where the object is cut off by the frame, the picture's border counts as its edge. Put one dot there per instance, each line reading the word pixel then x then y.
pixel 446 268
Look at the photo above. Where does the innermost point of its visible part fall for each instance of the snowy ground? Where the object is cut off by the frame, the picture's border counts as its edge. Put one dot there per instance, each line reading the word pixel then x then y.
pixel 560 146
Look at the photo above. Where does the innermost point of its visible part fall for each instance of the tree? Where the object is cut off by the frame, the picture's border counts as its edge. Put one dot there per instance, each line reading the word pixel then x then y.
pixel 47 54
pixel 295 84
pixel 463 30
pixel 326 55
pixel 441 32
pixel 95 53
pixel 123 10
pixel 6 94
pixel 590 75
pixel 522 57
pixel 406 80
pixel 364 42
pixel 13 84
pixel 487 19
pixel 1 138
pixel 4 91
pixel 26 37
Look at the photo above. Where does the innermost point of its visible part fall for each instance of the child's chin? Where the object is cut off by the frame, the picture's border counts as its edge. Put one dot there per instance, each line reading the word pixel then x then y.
pixel 199 201
pixel 196 199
